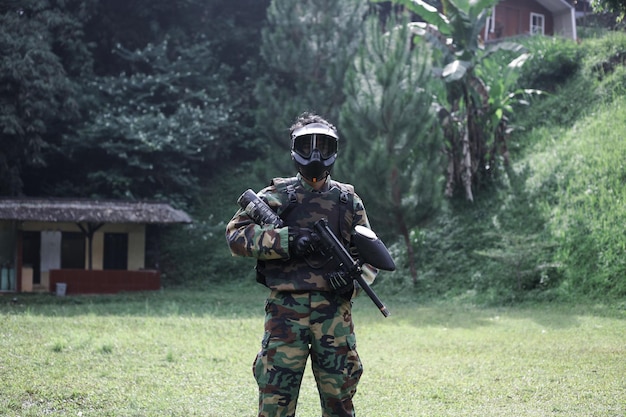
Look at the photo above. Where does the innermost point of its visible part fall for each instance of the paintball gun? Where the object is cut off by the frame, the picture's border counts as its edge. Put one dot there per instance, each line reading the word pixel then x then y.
pixel 371 249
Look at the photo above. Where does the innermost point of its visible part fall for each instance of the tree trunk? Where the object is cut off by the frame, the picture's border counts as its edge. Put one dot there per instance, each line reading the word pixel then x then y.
pixel 466 165
pixel 410 253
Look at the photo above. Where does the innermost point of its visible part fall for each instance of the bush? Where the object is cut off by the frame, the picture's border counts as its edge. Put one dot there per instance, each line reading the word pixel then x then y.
pixel 197 255
pixel 606 62
pixel 553 61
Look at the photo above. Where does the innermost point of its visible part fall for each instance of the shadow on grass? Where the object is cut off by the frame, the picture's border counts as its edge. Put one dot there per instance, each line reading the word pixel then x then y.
pixel 246 300
pixel 453 315
pixel 242 300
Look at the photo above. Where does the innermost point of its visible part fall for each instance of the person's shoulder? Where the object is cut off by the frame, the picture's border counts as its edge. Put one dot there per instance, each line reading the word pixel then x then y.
pixel 283 181
pixel 343 186
pixel 277 186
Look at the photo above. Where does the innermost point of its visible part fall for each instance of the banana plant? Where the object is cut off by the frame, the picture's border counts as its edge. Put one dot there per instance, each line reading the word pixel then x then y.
pixel 464 105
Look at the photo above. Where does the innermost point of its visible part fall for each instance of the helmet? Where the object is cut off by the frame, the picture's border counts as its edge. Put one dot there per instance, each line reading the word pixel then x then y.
pixel 314 150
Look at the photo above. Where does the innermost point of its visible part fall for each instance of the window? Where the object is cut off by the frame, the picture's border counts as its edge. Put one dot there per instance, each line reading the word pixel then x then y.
pixel 72 250
pixel 537 24
pixel 115 251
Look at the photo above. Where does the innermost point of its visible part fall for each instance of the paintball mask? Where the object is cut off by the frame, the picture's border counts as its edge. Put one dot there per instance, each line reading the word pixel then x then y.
pixel 314 150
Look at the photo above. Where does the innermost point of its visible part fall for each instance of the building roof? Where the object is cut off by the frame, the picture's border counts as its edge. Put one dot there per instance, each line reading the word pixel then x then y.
pixel 89 211
pixel 556 6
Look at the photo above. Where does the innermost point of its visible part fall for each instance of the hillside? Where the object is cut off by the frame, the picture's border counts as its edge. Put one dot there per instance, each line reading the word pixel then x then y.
pixel 552 227
pixel 579 179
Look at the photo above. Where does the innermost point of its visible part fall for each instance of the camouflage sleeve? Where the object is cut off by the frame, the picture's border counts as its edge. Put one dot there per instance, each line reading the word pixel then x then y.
pixel 246 238
pixel 360 218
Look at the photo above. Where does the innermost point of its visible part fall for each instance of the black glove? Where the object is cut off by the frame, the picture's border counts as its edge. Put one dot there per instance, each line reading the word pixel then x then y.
pixel 302 241
pixel 341 282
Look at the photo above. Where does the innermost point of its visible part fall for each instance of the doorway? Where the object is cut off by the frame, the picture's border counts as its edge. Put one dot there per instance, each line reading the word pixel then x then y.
pixel 31 254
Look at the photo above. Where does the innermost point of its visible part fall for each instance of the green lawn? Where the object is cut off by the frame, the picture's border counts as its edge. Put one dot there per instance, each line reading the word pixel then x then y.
pixel 180 353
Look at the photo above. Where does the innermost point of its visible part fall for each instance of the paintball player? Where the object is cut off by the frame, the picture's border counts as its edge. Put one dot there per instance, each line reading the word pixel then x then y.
pixel 308 310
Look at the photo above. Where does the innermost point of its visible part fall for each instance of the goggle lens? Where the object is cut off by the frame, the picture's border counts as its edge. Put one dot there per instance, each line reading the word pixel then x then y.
pixel 305 144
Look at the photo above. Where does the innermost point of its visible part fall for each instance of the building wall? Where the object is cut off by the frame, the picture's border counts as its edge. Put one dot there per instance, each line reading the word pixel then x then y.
pixel 51 254
pixel 512 17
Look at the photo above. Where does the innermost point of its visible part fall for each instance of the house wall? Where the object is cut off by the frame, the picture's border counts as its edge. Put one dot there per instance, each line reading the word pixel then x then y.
pixel 512 18
pixel 104 282
pixel 565 25
pixel 51 253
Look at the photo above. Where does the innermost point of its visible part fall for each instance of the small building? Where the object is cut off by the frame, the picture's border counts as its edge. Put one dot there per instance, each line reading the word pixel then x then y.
pixel 511 18
pixel 88 246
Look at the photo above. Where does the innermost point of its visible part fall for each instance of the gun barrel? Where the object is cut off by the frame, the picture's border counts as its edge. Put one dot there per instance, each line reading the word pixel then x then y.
pixel 373 296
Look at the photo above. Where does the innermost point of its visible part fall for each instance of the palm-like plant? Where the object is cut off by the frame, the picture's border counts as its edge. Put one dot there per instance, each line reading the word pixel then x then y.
pixel 466 112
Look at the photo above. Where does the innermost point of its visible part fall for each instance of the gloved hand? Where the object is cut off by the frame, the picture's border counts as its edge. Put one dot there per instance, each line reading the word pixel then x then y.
pixel 341 282
pixel 302 241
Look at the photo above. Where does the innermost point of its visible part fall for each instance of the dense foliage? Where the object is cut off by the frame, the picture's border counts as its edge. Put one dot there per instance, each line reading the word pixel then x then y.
pixel 39 98
pixel 614 6
pixel 307 48
pixel 155 95
pixel 154 132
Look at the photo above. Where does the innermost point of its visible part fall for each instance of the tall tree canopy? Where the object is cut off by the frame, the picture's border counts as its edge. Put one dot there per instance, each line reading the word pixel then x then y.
pixel 392 150
pixel 614 6
pixel 307 48
pixel 151 133
pixel 139 97
pixel 39 94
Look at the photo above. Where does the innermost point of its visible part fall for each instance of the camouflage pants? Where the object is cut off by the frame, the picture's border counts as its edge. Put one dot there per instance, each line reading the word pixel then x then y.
pixel 298 325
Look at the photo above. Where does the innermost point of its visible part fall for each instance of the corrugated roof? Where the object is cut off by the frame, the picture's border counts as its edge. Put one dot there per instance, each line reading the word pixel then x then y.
pixel 92 211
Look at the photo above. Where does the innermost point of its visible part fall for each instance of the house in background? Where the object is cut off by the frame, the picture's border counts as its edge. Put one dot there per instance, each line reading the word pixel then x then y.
pixel 88 246
pixel 511 18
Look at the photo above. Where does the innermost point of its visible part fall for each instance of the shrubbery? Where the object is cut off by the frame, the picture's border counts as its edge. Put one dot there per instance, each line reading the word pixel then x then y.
pixel 196 256
pixel 553 61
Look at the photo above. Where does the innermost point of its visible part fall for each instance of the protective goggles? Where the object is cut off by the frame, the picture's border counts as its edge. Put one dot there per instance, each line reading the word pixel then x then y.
pixel 304 145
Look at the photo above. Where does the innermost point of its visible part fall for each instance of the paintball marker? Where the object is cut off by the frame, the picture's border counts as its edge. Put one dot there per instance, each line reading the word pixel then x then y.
pixel 371 249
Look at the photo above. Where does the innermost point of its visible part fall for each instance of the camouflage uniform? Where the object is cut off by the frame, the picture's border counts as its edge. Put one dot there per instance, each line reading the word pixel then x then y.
pixel 303 316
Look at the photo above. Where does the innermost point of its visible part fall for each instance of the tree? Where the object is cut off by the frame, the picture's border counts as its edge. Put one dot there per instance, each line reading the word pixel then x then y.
pixel 307 48
pixel 39 99
pixel 233 26
pixel 614 6
pixel 152 133
pixel 392 148
pixel 159 110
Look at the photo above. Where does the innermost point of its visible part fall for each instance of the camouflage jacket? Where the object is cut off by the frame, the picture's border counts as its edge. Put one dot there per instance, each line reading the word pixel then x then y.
pixel 300 206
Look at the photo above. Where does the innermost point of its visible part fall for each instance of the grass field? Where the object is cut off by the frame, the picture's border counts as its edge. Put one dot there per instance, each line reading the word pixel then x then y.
pixel 181 353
